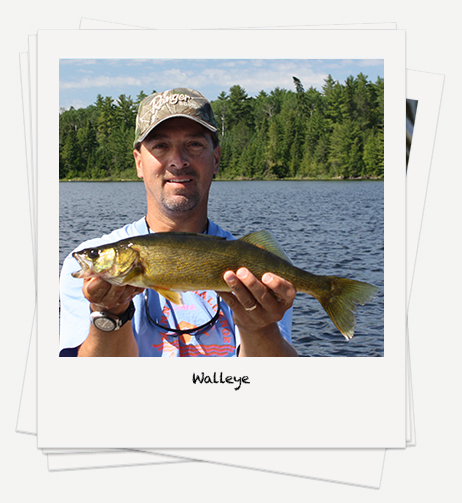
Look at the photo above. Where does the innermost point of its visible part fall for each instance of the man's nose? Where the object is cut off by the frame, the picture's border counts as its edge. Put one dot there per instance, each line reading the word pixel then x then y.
pixel 178 157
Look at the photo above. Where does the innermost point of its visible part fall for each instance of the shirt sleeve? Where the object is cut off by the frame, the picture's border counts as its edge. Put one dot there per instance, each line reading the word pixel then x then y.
pixel 74 324
pixel 285 325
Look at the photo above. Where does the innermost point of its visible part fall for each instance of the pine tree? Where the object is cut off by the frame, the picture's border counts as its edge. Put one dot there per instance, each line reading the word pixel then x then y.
pixel 105 125
pixel 239 106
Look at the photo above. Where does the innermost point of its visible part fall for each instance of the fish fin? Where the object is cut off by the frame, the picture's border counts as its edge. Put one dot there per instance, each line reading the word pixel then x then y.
pixel 170 295
pixel 340 303
pixel 266 240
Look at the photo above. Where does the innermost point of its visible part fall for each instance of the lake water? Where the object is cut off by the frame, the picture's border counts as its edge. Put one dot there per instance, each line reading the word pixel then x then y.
pixel 331 227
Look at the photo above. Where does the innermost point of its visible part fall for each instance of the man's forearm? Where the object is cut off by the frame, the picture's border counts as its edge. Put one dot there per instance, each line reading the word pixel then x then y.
pixel 117 343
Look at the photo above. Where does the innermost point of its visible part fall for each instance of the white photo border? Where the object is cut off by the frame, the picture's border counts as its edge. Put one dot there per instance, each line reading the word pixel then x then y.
pixel 334 402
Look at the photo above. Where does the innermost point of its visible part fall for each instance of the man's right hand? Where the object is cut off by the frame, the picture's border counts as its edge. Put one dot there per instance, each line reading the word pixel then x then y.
pixel 104 296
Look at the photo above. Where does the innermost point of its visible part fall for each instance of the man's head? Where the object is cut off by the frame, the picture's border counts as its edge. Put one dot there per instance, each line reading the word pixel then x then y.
pixel 180 102
pixel 176 154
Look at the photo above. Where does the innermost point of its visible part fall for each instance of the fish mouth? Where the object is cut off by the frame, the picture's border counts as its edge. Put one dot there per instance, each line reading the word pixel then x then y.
pixel 85 270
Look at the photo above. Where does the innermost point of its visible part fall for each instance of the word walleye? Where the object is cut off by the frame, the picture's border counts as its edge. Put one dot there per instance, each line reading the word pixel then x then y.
pixel 221 380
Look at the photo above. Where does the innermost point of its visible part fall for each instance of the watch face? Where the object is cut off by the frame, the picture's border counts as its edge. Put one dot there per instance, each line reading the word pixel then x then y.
pixel 105 324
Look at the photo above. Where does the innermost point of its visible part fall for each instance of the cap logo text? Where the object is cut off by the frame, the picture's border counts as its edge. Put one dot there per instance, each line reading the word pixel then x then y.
pixel 159 101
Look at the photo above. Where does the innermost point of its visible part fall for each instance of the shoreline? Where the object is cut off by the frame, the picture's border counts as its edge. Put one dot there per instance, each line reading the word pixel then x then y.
pixel 241 179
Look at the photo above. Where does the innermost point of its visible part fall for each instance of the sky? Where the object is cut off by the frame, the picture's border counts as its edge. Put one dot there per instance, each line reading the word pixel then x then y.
pixel 81 80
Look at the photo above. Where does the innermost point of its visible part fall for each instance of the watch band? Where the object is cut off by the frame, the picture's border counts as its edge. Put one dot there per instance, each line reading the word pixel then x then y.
pixel 108 322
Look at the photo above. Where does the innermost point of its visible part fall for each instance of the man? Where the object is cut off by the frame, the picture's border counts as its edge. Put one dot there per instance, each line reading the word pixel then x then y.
pixel 176 154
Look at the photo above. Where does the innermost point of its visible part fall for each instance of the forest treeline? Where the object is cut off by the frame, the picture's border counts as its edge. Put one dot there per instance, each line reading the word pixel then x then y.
pixel 334 133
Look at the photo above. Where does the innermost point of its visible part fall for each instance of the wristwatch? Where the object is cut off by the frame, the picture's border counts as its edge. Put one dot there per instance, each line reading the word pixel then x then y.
pixel 108 322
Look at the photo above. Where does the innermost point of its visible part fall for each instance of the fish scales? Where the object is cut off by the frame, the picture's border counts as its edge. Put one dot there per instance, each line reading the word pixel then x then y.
pixel 205 263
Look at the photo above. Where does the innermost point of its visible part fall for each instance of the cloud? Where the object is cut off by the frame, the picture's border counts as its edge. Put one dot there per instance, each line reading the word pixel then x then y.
pixel 370 62
pixel 252 75
pixel 100 81
pixel 260 75
pixel 78 62
pixel 352 66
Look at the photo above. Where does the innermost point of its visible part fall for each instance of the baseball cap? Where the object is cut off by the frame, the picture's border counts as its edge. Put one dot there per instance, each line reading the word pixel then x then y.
pixel 179 102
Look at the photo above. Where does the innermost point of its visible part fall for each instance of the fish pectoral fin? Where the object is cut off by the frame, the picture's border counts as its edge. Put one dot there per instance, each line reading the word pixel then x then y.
pixel 265 239
pixel 170 295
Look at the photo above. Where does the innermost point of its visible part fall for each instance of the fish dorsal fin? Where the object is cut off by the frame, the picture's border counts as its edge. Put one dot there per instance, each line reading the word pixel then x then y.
pixel 266 240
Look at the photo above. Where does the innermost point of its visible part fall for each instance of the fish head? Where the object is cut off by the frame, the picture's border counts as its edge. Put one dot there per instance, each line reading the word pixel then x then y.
pixel 107 262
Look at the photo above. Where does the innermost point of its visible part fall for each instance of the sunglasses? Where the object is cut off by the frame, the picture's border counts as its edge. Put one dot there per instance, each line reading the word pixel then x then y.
pixel 176 331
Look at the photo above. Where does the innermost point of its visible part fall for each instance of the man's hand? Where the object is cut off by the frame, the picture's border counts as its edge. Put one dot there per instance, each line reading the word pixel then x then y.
pixel 104 296
pixel 257 307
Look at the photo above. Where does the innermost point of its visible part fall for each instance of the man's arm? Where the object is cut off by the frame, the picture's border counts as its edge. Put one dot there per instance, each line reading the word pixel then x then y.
pixel 260 335
pixel 113 299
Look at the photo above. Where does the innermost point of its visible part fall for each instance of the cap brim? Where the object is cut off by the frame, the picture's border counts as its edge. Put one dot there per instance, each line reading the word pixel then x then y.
pixel 195 119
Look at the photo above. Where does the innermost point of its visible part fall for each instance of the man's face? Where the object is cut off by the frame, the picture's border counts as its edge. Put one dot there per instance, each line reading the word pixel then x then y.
pixel 177 162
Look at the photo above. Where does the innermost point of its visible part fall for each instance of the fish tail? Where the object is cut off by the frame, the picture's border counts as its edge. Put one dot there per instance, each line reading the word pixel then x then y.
pixel 341 299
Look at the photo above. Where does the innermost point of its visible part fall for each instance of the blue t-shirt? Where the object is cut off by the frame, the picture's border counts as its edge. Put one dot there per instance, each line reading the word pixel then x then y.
pixel 221 339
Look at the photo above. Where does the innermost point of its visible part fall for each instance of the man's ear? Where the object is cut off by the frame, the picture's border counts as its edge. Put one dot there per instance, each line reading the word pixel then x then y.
pixel 138 163
pixel 217 157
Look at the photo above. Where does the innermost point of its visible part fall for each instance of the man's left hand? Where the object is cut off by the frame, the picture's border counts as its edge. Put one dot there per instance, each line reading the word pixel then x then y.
pixel 257 304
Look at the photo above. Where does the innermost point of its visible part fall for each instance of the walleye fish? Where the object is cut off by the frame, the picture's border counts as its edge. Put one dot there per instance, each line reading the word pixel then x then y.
pixel 174 262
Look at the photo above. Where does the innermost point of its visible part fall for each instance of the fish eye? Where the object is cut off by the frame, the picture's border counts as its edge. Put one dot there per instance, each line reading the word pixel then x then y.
pixel 93 253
